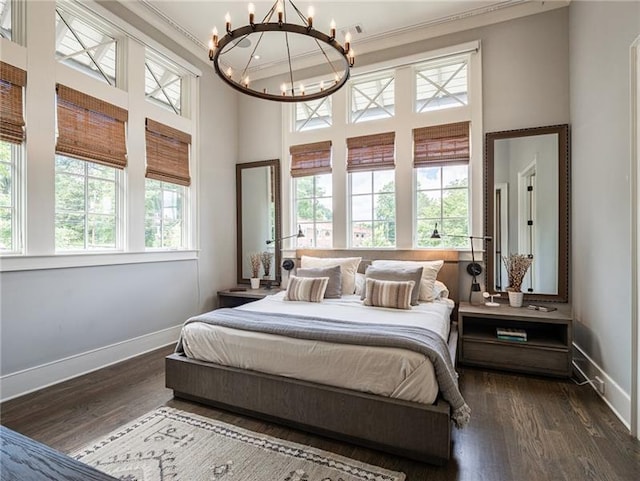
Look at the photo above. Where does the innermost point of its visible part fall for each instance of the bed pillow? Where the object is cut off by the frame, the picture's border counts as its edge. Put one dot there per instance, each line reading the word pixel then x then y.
pixel 309 289
pixel 334 287
pixel 348 266
pixel 429 273
pixel 440 290
pixel 398 274
pixel 360 284
pixel 394 294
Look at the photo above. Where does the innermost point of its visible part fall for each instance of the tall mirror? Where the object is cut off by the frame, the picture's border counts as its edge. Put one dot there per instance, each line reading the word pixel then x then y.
pixel 258 217
pixel 527 208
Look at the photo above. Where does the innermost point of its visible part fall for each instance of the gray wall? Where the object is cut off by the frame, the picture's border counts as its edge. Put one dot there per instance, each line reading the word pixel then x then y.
pixel 48 315
pixel 601 34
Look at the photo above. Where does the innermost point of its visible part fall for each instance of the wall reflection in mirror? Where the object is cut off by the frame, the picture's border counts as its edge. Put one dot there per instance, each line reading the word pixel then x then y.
pixel 258 211
pixel 527 203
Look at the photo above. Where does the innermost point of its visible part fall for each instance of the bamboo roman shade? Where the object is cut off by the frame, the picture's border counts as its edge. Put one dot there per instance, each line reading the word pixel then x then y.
pixel 12 80
pixel 310 159
pixel 371 152
pixel 167 153
pixel 91 129
pixel 441 144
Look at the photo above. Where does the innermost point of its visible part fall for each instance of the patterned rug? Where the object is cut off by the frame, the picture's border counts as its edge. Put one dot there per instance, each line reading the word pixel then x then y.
pixel 172 445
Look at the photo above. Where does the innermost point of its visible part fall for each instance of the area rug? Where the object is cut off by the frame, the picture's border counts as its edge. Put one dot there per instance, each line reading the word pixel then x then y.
pixel 172 445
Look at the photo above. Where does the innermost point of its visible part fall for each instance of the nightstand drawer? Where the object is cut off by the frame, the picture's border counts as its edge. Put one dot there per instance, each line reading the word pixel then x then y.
pixel 517 357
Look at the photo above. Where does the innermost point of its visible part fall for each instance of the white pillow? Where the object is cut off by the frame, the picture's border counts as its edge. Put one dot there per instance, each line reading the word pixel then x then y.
pixel 360 283
pixel 429 273
pixel 440 290
pixel 348 269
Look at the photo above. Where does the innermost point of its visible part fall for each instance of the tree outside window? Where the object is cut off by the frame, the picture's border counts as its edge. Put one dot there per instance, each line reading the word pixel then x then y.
pixel 314 211
pixel 373 209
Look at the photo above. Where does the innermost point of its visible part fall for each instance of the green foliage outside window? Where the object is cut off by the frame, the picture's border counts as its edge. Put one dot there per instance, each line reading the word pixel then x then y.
pixel 6 198
pixel 164 215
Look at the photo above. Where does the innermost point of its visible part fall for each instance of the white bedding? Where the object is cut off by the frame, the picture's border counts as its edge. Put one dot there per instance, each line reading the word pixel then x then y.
pixel 392 372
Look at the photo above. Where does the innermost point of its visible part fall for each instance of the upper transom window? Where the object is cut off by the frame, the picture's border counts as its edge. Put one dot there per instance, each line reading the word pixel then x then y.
pixel 83 46
pixel 442 84
pixel 312 115
pixel 162 82
pixel 373 98
pixel 5 19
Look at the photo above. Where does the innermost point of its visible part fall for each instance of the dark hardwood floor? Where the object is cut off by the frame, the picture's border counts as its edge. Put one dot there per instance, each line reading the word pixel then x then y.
pixel 522 428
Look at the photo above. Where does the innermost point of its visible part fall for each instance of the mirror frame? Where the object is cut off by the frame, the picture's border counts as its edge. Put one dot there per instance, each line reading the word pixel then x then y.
pixel 275 165
pixel 563 205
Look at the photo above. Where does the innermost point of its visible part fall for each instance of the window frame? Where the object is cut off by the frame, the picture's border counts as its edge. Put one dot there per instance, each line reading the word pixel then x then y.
pixel 314 198
pixel 16 164
pixel 392 72
pixel 185 218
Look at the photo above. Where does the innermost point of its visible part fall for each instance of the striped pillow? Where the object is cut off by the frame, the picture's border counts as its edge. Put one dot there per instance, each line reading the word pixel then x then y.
pixel 310 289
pixel 395 294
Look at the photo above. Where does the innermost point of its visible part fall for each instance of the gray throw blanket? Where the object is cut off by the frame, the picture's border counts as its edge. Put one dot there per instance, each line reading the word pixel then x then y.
pixel 423 341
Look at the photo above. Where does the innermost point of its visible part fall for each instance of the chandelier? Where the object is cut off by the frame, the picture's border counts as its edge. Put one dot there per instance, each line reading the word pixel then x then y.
pixel 244 51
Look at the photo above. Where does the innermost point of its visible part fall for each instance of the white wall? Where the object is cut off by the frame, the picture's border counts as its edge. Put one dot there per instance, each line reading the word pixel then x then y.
pixel 601 34
pixel 57 323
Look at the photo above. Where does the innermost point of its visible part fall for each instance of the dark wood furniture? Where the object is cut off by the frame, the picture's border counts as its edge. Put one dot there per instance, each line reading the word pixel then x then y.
pixel 234 298
pixel 547 350
pixel 23 459
pixel 414 430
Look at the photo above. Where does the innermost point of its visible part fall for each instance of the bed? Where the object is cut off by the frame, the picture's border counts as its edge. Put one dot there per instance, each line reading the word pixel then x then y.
pixel 366 404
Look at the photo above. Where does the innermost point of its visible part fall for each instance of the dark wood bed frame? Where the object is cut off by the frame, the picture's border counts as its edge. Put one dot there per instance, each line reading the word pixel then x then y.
pixel 417 431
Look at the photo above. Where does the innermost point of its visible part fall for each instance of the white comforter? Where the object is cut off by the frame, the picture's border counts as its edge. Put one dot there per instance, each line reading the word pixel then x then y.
pixel 391 372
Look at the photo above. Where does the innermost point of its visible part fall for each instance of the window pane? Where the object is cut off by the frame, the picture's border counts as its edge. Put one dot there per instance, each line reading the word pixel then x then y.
pixel 304 187
pixel 384 181
pixel 323 208
pixel 312 115
pixel 362 234
pixel 360 183
pixel 101 232
pixel 441 84
pixel 6 198
pixel 70 231
pixel 101 171
pixel 324 187
pixel 163 83
pixel 429 178
pixel 102 197
pixel 309 233
pixel 85 47
pixel 70 166
pixel 5 16
pixel 385 207
pixel 455 202
pixel 384 234
pixel 424 230
pixel 164 215
pixel 324 235
pixel 6 238
pixel 372 99
pixel 429 204
pixel 361 207
pixel 314 210
pixel 455 176
pixel 70 193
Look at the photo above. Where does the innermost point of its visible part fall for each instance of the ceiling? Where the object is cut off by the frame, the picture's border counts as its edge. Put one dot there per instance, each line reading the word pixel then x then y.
pixel 195 19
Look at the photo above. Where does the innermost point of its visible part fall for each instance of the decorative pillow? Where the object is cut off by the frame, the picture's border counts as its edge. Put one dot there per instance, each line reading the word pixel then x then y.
pixel 398 274
pixel 440 291
pixel 334 288
pixel 310 289
pixel 395 294
pixel 429 274
pixel 360 284
pixel 349 266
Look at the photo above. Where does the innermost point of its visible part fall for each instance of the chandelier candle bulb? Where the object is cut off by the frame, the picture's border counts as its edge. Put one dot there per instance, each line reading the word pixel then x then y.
pixel 215 37
pixel 283 88
pixel 310 14
pixel 347 42
pixel 246 81
pixel 321 86
pixel 332 27
pixel 229 72
pixel 227 20
pixel 252 13
pixel 352 57
pixel 280 10
pixel 211 47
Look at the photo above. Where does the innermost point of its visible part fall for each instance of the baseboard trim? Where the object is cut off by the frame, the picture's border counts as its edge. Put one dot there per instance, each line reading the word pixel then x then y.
pixel 614 396
pixel 38 377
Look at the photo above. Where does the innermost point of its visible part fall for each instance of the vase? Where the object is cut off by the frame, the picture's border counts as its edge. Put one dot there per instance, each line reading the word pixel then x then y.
pixel 255 283
pixel 515 298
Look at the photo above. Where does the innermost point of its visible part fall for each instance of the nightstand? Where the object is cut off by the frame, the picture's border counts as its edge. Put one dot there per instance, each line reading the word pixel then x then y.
pixel 546 351
pixel 234 298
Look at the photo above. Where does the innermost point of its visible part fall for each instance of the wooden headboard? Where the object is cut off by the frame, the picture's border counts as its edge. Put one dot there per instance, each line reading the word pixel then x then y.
pixel 448 274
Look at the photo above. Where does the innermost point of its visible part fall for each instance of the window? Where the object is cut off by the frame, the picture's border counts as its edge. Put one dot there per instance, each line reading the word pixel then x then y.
pixel 313 115
pixel 314 210
pixel 85 46
pixel 5 19
pixel 371 164
pixel 313 203
pixel 441 158
pixel 373 209
pixel 166 186
pixel 441 84
pixel 86 205
pixel 165 206
pixel 12 135
pixel 162 82
pixel 91 154
pixel 373 98
pixel 10 220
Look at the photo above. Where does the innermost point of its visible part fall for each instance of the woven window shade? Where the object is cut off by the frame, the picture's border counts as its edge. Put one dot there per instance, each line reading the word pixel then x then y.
pixel 91 129
pixel 310 159
pixel 12 80
pixel 441 144
pixel 371 152
pixel 167 153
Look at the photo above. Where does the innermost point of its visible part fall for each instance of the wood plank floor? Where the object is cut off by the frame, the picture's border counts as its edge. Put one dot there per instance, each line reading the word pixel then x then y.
pixel 522 428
